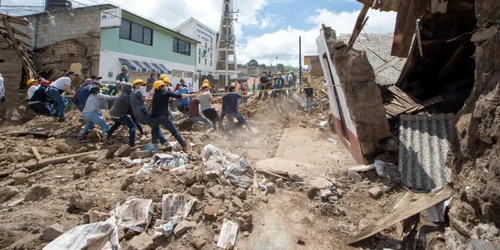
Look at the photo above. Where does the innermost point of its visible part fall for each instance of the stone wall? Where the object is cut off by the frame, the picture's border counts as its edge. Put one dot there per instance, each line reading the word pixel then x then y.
pixel 362 94
pixel 476 151
pixel 11 71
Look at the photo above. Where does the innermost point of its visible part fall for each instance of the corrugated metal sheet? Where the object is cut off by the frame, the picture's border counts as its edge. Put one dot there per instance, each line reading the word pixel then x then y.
pixel 378 50
pixel 424 142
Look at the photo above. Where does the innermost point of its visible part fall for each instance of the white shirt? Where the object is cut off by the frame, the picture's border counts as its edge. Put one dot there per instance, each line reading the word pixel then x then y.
pixel 205 100
pixel 31 91
pixel 61 83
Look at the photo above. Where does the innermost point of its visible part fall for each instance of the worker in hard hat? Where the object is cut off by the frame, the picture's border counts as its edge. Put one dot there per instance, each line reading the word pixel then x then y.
pixel 265 83
pixel 160 115
pixel 206 100
pixel 278 86
pixel 172 103
pixel 140 111
pixel 123 76
pixel 32 87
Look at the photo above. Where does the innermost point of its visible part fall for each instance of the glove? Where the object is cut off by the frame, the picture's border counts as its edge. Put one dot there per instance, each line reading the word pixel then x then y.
pixel 3 99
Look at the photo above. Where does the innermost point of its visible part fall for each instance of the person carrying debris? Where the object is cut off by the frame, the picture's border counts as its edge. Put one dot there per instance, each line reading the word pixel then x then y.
pixel 57 88
pixel 139 105
pixel 92 113
pixel 39 102
pixel 183 105
pixel 194 114
pixel 230 101
pixel 33 86
pixel 119 113
pixel 279 81
pixel 160 115
pixel 309 96
pixel 206 100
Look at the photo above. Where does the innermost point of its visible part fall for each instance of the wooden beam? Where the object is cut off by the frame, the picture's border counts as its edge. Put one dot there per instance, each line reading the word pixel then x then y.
pixel 15 19
pixel 359 21
pixel 37 155
pixel 17 32
pixel 453 61
pixel 386 5
pixel 56 160
pixel 405 27
pixel 13 39
pixel 356 35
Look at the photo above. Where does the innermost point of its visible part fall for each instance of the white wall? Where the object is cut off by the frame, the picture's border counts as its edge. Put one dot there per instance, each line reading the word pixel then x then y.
pixel 203 34
pixel 109 62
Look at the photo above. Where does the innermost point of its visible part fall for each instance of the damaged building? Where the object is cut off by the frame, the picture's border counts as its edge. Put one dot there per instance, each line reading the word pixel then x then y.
pixel 437 104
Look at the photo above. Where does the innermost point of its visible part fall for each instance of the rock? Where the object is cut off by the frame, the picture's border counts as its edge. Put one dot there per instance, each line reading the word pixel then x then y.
pixel 183 226
pixel 296 178
pixel 89 158
pixel 375 192
pixel 49 151
pixel 246 234
pixel 210 212
pixel 52 232
pixel 123 151
pixel 129 179
pixel 6 193
pixel 190 178
pixel 63 147
pixel 140 154
pixel 2 146
pixel 238 202
pixel 142 241
pixel 320 183
pixel 93 136
pixel 197 190
pixel 81 202
pixel 300 241
pixel 241 193
pixel 264 199
pixel 326 194
pixel 354 176
pixel 217 192
pixel 312 192
pixel 20 178
pixel 279 182
pixel 81 150
pixel 89 169
pixel 212 176
pixel 271 189
pixel 198 243
pixel 363 223
pixel 37 192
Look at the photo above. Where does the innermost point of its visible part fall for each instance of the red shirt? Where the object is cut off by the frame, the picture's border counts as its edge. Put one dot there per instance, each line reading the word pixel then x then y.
pixel 194 108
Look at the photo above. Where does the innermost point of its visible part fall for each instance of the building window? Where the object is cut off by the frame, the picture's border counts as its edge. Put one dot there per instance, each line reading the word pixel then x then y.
pixel 199 55
pixel 189 74
pixel 176 73
pixel 210 62
pixel 136 32
pixel 181 47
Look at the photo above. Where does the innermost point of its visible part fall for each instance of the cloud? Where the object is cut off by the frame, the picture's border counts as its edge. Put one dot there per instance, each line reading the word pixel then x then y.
pixel 269 21
pixel 284 43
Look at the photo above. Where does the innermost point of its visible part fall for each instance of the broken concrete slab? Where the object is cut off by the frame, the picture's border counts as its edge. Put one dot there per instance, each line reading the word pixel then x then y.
pixel 217 191
pixel 210 212
pixel 403 212
pixel 198 243
pixel 320 183
pixel 197 190
pixel 63 147
pixel 142 241
pixel 238 202
pixel 52 232
pixel 183 226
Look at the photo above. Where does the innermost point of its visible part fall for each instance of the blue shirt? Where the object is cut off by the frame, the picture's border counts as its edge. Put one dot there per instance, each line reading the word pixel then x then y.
pixel 40 96
pixel 279 82
pixel 231 102
pixel 82 95
pixel 184 90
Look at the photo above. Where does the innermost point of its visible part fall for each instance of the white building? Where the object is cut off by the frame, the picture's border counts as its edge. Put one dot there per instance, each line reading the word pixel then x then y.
pixel 206 51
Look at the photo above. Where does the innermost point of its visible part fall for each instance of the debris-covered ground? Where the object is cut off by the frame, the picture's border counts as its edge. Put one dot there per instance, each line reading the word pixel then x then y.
pixel 285 187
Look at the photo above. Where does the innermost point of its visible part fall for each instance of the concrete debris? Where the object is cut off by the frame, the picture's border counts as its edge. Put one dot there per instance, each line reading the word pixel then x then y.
pixel 217 191
pixel 183 226
pixel 190 178
pixel 79 201
pixel 49 151
pixel 141 154
pixel 6 193
pixel 129 179
pixel 197 190
pixel 241 193
pixel 37 192
pixel 375 192
pixel 20 178
pixel 210 212
pixel 124 151
pixel 296 177
pixel 238 202
pixel 312 192
pixel 271 189
pixel 198 243
pixel 63 147
pixel 51 233
pixel 279 183
pixel 354 176
pixel 320 183
pixel 142 241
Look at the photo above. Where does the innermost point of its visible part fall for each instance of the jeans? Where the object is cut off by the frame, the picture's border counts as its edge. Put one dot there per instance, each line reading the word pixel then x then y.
pixel 139 126
pixel 94 118
pixel 127 121
pixel 42 108
pixel 60 101
pixel 214 117
pixel 156 134
pixel 241 119
pixel 309 106
pixel 169 125
pixel 183 108
pixel 200 118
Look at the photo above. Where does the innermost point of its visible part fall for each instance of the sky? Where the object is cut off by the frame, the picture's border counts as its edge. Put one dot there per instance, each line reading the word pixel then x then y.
pixel 265 29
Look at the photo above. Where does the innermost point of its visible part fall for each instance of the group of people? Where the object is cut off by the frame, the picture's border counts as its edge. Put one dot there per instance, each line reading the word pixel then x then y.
pixel 278 85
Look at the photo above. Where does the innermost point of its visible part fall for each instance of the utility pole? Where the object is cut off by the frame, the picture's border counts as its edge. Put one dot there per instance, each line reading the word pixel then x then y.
pixel 230 39
pixel 300 60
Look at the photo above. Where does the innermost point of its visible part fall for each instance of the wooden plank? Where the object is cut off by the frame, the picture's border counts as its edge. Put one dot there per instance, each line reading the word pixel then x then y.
pixel 453 60
pixel 405 26
pixel 56 160
pixel 15 19
pixel 359 22
pixel 13 39
pixel 17 32
pixel 355 35
pixel 403 212
pixel 37 155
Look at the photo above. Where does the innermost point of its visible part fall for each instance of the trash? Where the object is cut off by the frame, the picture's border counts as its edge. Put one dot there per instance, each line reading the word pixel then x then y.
pixel 228 234
pixel 89 236
pixel 403 211
pixel 380 168
pixel 436 213
pixel 174 207
pixel 96 216
pixel 331 140
pixel 174 162
pixel 166 229
pixel 210 150
pixel 326 194
pixel 135 213
pixel 240 174
pixel 323 123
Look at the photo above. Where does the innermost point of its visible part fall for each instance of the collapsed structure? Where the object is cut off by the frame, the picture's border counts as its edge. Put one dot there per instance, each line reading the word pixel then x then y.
pixel 444 99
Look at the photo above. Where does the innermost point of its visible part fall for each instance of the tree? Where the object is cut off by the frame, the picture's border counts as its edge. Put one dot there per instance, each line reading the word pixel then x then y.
pixel 253 62
pixel 280 67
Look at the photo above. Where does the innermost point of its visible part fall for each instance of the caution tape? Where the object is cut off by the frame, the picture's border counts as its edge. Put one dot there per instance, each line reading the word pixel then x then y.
pixel 277 90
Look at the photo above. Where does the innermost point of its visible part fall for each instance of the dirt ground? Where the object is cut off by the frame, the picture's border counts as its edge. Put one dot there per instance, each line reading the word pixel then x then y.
pixel 286 140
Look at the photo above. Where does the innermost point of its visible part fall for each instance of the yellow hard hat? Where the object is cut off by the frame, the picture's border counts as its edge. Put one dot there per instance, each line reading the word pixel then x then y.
pixel 279 72
pixel 137 81
pixel 166 79
pixel 158 84
pixel 163 76
pixel 205 85
pixel 30 81
pixel 206 82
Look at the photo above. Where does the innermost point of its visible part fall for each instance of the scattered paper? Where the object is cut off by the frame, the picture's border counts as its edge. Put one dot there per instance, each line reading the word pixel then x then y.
pixel 228 234
pixel 135 214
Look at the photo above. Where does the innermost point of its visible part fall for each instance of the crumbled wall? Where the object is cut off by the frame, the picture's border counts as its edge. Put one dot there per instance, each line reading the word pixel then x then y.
pixel 362 94
pixel 476 151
